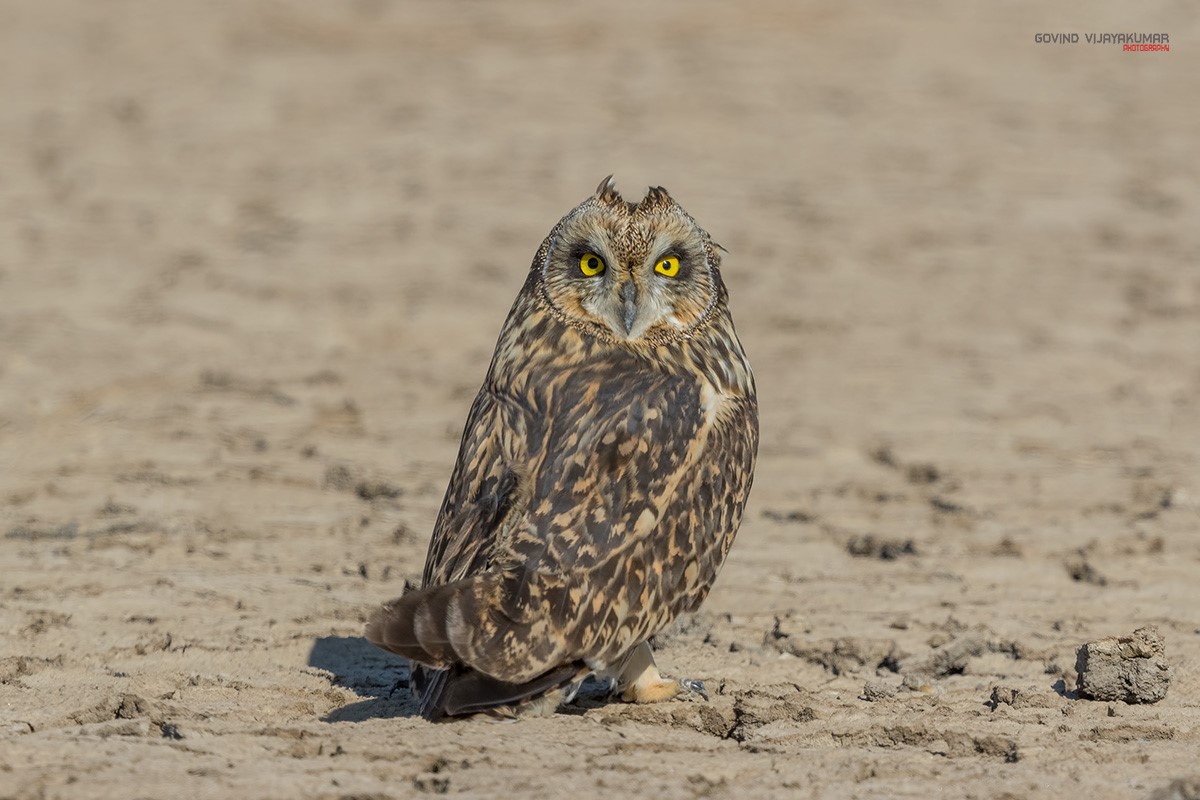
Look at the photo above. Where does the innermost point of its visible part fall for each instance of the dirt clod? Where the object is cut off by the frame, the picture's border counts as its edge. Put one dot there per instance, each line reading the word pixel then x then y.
pixel 839 656
pixel 1131 668
pixel 1003 695
pixel 755 709
pixel 874 691
pixel 871 546
pixel 372 490
pixel 950 655
pixel 1081 569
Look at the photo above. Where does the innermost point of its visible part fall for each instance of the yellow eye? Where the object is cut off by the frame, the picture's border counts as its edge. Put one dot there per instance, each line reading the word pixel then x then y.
pixel 591 264
pixel 668 266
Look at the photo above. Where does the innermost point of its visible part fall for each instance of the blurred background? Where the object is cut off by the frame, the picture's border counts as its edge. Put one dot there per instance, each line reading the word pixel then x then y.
pixel 254 257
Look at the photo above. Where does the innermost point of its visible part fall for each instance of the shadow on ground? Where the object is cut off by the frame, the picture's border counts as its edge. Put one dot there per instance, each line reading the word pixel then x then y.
pixel 382 678
pixel 369 672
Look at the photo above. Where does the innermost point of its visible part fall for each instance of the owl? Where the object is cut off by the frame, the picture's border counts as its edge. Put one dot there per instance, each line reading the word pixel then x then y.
pixel 601 477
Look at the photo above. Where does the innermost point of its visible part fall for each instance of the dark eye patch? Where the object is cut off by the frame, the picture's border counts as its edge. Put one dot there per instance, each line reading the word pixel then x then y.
pixel 686 261
pixel 578 252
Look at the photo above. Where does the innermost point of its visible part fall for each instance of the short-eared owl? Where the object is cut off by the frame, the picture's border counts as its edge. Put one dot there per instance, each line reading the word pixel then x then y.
pixel 602 474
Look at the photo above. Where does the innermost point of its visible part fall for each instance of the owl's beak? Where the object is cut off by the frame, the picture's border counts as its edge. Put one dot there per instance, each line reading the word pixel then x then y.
pixel 629 302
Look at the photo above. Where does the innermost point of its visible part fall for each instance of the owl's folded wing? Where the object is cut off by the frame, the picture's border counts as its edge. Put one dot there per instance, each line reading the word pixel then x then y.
pixel 577 533
pixel 628 527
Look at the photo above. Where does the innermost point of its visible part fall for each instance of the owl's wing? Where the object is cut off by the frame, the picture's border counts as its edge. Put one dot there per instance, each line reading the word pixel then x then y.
pixel 482 490
pixel 580 526
pixel 633 511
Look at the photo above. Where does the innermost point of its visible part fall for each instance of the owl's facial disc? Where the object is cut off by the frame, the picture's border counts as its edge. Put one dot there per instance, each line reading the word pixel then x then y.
pixel 664 295
pixel 635 273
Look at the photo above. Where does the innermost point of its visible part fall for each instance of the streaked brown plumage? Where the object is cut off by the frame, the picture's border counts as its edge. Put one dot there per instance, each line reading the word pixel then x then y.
pixel 602 473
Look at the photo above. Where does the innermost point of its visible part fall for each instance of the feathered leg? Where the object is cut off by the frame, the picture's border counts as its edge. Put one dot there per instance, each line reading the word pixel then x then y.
pixel 640 682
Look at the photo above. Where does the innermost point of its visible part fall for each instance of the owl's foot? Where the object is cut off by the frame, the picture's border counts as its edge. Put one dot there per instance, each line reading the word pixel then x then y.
pixel 640 681
pixel 655 688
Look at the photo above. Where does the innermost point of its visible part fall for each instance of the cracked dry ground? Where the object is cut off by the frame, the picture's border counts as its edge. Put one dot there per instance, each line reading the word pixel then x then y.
pixel 253 258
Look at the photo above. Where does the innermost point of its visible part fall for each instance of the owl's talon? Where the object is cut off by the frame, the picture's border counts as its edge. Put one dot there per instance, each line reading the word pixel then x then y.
pixel 694 687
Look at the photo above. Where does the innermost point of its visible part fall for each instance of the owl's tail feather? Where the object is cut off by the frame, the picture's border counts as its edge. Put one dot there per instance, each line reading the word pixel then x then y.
pixel 460 691
pixel 432 627
pixel 427 625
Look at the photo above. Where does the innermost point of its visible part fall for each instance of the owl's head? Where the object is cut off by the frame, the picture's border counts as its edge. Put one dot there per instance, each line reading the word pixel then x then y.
pixel 633 272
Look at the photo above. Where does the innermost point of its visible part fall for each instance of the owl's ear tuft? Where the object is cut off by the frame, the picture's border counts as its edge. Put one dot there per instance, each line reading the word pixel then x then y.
pixel 607 191
pixel 656 197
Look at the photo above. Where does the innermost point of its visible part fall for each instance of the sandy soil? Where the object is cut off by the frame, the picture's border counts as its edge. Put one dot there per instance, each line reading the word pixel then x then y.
pixel 253 258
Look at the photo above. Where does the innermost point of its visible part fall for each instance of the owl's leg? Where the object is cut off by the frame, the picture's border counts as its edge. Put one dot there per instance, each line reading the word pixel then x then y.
pixel 640 682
